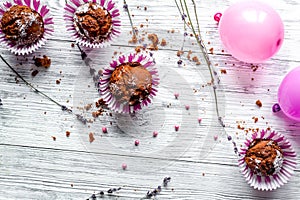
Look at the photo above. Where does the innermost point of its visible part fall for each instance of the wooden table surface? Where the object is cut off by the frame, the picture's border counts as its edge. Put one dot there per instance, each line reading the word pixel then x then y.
pixel 198 158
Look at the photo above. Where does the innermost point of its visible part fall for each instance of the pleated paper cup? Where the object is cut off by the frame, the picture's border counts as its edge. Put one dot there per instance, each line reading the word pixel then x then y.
pixel 283 175
pixel 48 27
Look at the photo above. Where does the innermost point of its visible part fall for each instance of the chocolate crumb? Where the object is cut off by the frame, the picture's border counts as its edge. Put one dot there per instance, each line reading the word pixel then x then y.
pixel 34 73
pixel 258 103
pixel 68 133
pixel 154 39
pixel 91 137
pixel 54 138
pixel 57 81
pixel 223 71
pixel 163 42
pixel 179 53
pixel 42 62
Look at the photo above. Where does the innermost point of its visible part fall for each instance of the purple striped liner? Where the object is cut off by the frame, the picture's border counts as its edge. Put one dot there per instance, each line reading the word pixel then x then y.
pixel 274 181
pixel 71 8
pixel 147 62
pixel 48 26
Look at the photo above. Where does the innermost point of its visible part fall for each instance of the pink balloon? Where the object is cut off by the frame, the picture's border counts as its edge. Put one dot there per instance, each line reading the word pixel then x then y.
pixel 289 94
pixel 251 31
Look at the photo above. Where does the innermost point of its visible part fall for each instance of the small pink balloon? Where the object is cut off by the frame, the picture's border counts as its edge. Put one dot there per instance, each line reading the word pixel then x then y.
pixel 289 94
pixel 251 31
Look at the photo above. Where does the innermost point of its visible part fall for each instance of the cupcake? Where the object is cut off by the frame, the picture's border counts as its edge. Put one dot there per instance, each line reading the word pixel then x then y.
pixel 93 24
pixel 267 160
pixel 24 26
pixel 129 83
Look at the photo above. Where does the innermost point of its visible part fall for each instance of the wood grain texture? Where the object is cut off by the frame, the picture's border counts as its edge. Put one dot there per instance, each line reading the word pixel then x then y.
pixel 33 166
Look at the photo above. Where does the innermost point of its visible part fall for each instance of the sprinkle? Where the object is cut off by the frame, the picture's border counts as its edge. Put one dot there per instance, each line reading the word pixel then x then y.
pixel 217 17
pixel 124 166
pixel 179 62
pixel 155 133
pixel 176 127
pixel 136 142
pixel 187 107
pixel 176 95
pixel 275 108
pixel 215 137
pixel 104 129
pixel 199 119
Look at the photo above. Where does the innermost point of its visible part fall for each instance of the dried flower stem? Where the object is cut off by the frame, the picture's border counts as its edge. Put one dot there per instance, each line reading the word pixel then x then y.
pixel 63 107
pixel 125 6
pixel 182 9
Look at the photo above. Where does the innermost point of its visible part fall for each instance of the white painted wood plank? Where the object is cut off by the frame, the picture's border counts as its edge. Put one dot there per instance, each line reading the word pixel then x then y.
pixel 33 166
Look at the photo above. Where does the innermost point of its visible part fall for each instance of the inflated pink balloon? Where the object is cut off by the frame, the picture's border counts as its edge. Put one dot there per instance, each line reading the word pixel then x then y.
pixel 289 94
pixel 251 31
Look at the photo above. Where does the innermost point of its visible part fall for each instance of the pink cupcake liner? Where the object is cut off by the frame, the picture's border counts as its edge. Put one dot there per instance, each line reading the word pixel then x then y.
pixel 70 10
pixel 148 63
pixel 48 26
pixel 282 176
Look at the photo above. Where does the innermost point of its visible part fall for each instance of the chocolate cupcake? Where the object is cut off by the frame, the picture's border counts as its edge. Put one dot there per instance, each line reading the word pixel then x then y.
pixel 264 157
pixel 92 24
pixel 267 160
pixel 24 26
pixel 129 83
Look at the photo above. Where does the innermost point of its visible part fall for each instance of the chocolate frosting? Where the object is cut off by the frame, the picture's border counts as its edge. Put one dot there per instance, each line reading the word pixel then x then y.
pixel 130 83
pixel 93 21
pixel 22 25
pixel 264 157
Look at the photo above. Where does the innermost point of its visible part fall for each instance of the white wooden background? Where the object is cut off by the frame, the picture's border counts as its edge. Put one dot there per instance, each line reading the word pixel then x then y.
pixel 33 166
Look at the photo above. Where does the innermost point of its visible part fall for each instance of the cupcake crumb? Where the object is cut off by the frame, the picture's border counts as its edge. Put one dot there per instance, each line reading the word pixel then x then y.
pixel 68 133
pixel 154 39
pixel 258 103
pixel 179 53
pixel 223 71
pixel 45 61
pixel 163 42
pixel 34 73
pixel 91 137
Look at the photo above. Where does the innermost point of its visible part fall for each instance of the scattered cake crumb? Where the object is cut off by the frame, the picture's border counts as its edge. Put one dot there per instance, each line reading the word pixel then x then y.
pixel 88 106
pixel 258 103
pixel 179 53
pixel 68 133
pixel 133 40
pixel 223 71
pixel 163 42
pixel 154 39
pixel 91 137
pixel 57 81
pixel 42 62
pixel 54 138
pixel 255 119
pixel 34 73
